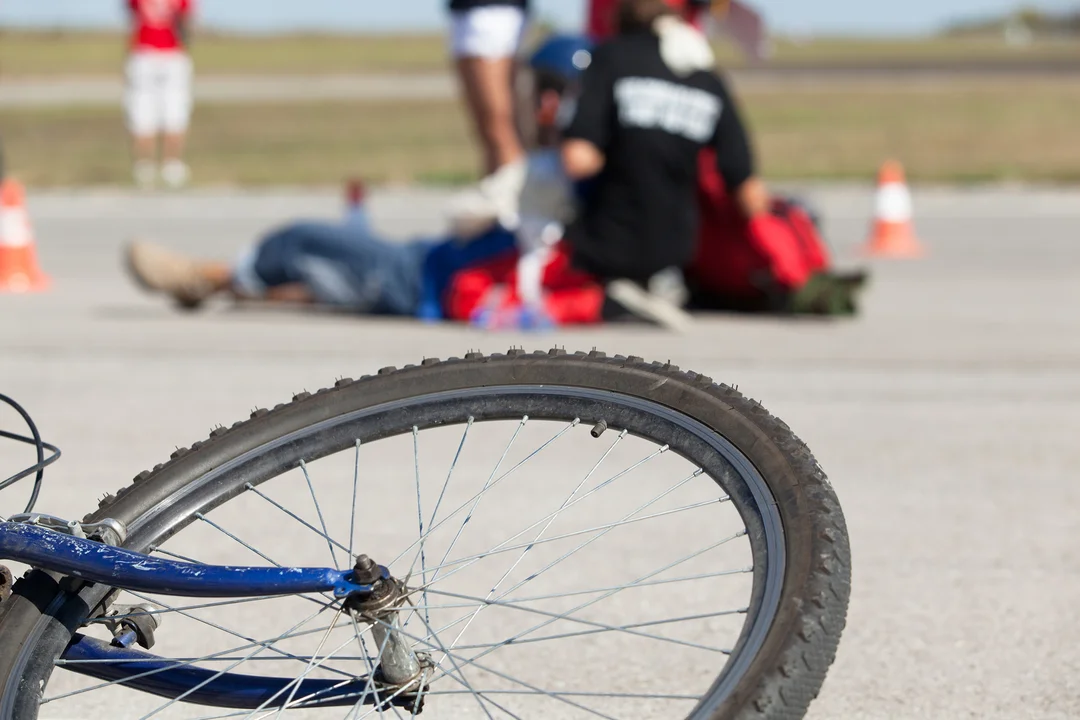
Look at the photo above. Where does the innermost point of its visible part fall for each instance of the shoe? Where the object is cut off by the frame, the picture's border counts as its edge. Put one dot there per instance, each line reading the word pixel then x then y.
pixel 670 285
pixel 829 293
pixel 158 269
pixel 175 174
pixel 632 299
pixel 144 173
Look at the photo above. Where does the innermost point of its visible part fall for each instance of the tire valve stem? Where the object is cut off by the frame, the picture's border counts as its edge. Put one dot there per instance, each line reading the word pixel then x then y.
pixel 599 428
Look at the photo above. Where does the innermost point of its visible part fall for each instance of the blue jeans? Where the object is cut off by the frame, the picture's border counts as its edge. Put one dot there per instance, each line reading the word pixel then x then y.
pixel 341 265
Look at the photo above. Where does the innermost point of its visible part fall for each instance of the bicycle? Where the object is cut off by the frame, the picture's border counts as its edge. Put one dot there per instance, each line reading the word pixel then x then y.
pixel 548 534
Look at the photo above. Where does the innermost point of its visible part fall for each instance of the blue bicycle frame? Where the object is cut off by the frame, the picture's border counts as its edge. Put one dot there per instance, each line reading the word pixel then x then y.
pixel 96 562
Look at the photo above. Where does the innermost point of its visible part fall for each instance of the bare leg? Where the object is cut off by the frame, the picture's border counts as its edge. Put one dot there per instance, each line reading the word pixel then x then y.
pixel 291 294
pixel 173 170
pixel 173 146
pixel 220 277
pixel 145 148
pixel 489 92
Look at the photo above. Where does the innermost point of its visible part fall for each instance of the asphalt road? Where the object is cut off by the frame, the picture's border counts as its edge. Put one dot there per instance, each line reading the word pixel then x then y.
pixel 946 415
pixel 225 89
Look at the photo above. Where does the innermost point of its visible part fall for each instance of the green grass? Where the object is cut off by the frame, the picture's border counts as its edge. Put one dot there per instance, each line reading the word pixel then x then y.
pixel 25 54
pixel 953 132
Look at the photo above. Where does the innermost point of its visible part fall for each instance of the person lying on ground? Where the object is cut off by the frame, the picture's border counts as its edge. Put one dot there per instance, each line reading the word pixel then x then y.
pixel 348 266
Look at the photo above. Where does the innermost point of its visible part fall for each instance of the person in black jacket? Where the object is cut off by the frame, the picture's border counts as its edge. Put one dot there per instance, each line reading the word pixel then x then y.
pixel 650 101
pixel 485 37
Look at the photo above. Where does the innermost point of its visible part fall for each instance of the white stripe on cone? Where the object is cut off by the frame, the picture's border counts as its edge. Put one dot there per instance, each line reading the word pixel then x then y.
pixel 14 227
pixel 894 203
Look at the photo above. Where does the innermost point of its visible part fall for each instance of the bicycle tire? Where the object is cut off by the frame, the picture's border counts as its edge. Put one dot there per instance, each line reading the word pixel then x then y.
pixel 782 678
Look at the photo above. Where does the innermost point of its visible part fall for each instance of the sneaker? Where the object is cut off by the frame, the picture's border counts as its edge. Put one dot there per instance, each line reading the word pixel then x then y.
pixel 635 301
pixel 158 269
pixel 175 174
pixel 144 173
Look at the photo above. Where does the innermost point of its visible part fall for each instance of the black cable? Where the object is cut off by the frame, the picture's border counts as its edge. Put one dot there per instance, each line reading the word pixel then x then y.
pixel 41 446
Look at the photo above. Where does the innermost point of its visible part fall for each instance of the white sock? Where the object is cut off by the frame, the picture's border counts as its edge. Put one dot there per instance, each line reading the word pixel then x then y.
pixel 175 173
pixel 144 173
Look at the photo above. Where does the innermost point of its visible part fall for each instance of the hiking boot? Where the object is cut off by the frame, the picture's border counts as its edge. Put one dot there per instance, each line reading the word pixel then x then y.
pixel 829 293
pixel 625 297
pixel 158 269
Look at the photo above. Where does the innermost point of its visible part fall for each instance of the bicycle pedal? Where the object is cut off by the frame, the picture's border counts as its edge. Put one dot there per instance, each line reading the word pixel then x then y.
pixel 108 531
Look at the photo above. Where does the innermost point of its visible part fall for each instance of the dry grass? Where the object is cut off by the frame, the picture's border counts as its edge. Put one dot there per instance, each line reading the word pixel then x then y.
pixel 950 132
pixel 41 54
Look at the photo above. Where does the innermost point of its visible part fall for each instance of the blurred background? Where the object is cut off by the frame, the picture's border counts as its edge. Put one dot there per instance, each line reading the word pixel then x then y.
pixel 309 93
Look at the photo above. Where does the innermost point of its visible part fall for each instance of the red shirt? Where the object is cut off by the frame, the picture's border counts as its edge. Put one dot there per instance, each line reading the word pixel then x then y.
pixel 601 21
pixel 155 21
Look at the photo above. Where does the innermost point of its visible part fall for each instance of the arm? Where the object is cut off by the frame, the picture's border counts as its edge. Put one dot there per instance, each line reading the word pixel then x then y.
pixel 581 159
pixel 589 131
pixel 183 24
pixel 735 161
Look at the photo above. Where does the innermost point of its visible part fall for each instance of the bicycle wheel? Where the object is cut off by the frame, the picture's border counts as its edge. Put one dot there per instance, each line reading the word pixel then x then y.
pixel 574 535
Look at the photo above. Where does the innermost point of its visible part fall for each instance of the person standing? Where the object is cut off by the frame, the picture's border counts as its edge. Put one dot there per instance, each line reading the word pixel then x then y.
pixel 485 36
pixel 158 96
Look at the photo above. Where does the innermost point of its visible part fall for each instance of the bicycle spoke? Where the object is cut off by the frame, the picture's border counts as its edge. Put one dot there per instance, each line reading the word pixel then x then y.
pixel 359 637
pixel 501 546
pixel 217 675
pixel 297 518
pixel 555 538
pixel 535 540
pixel 355 483
pixel 532 576
pixel 202 606
pixel 489 485
pixel 688 578
pixel 419 513
pixel 629 696
pixel 295 683
pixel 567 615
pixel 461 675
pixel 581 546
pixel 217 527
pixel 602 627
pixel 625 628
pixel 472 662
pixel 183 558
pixel 450 472
pixel 318 511
pixel 227 631
pixel 184 663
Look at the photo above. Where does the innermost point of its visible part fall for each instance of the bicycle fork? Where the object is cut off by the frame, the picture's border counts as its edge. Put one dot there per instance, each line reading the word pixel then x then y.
pixel 88 552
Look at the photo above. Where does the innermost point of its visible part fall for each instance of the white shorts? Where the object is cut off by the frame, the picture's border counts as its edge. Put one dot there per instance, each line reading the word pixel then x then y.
pixel 158 94
pixel 492 32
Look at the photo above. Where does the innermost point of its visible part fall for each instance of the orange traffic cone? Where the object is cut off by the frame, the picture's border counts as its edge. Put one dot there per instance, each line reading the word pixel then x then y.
pixel 893 235
pixel 19 271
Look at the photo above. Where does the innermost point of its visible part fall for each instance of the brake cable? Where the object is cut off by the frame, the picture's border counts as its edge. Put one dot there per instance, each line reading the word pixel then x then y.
pixel 41 446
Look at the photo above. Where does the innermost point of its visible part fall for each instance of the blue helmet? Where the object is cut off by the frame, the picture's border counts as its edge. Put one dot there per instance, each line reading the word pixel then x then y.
pixel 565 56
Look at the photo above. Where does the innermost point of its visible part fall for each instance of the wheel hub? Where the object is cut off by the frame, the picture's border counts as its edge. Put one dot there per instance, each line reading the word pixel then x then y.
pixel 399 667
